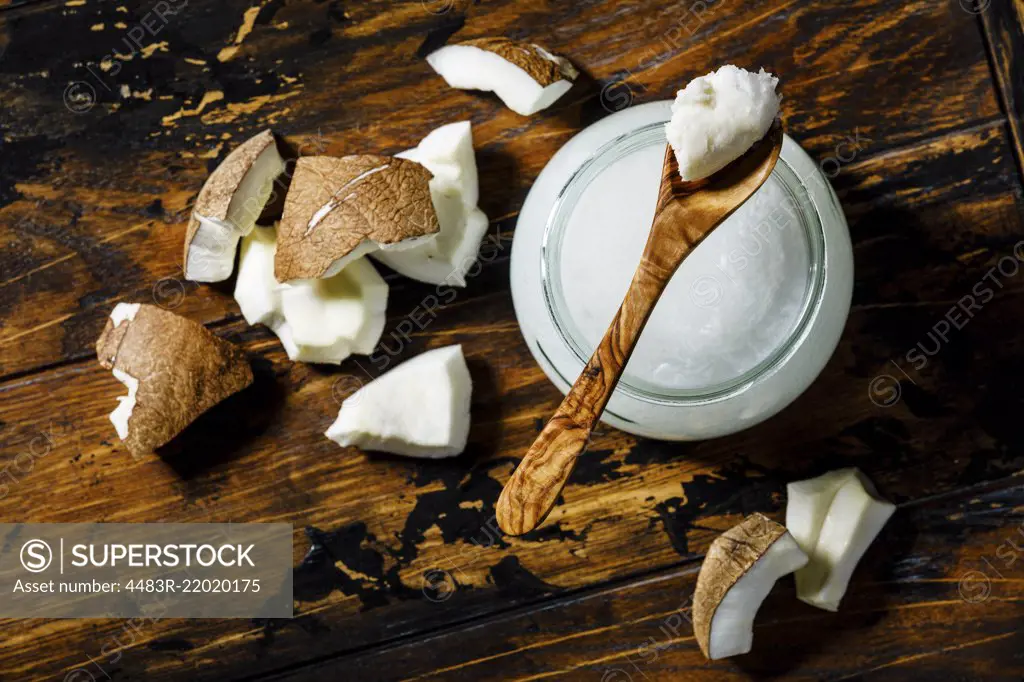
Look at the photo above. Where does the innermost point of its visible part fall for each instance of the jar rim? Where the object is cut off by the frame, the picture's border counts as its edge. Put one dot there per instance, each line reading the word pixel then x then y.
pixel 555 228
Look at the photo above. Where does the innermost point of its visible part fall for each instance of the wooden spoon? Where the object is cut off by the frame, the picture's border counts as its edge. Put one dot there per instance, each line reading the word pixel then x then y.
pixel 686 213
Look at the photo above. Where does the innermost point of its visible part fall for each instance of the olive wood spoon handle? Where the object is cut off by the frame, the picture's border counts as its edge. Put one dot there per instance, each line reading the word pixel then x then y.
pixel 686 213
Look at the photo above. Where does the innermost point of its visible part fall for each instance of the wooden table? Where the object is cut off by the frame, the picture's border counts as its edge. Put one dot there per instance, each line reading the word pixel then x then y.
pixel 113 117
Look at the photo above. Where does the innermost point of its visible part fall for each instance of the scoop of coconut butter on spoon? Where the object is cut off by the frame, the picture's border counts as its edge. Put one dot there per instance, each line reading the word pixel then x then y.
pixel 687 212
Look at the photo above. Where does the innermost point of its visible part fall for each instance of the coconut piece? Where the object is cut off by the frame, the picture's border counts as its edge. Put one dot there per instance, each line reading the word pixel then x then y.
pixel 447 153
pixel 525 76
pixel 175 370
pixel 839 537
pixel 329 319
pixel 257 293
pixel 228 205
pixel 807 504
pixel 418 409
pixel 738 572
pixel 716 118
pixel 256 290
pixel 318 320
pixel 339 209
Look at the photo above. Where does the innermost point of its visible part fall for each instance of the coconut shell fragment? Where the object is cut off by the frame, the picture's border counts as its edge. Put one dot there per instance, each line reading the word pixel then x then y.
pixel 537 62
pixel 730 556
pixel 180 368
pixel 526 77
pixel 228 206
pixel 339 209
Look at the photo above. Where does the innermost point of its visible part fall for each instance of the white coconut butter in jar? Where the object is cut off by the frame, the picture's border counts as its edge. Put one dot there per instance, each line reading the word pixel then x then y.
pixel 745 325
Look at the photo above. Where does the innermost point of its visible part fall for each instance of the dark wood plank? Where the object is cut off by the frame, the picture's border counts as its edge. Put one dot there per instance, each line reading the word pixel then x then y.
pixel 93 204
pixel 919 607
pixel 1004 30
pixel 632 506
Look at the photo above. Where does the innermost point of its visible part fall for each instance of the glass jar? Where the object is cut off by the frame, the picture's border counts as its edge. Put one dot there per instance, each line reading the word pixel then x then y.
pixel 564 285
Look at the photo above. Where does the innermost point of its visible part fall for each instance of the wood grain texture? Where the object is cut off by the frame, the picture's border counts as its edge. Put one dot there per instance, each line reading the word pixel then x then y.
pixel 93 207
pixel 686 213
pixel 918 607
pixel 414 543
pixel 1004 29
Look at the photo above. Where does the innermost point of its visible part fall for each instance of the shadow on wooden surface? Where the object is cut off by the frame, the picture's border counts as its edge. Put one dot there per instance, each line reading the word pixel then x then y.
pixel 227 430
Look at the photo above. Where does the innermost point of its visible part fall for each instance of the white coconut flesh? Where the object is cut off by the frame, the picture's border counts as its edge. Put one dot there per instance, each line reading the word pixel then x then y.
pixel 123 311
pixel 446 257
pixel 732 627
pixel 716 118
pixel 211 253
pixel 807 504
pixel 467 67
pixel 321 320
pixel 418 409
pixel 125 404
pixel 256 290
pixel 855 517
pixel 330 319
pixel 448 152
